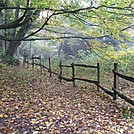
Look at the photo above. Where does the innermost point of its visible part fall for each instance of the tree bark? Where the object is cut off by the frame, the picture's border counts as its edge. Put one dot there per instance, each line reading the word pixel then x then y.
pixel 13 45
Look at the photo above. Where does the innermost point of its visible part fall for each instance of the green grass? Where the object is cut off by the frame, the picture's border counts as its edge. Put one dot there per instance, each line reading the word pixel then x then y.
pixel 125 66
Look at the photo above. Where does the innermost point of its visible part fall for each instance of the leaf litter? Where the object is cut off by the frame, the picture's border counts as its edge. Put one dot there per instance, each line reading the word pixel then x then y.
pixel 33 103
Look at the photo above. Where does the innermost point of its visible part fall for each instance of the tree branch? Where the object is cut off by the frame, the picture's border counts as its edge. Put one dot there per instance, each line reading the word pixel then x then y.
pixel 17 22
pixel 45 23
pixel 13 24
pixel 62 11
pixel 127 28
pixel 52 38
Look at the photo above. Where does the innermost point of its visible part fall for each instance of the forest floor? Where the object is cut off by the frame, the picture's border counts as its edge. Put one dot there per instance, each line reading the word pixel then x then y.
pixel 31 103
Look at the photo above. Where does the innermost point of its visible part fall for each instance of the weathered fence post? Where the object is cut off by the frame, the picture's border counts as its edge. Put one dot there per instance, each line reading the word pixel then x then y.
pixel 32 61
pixel 73 74
pixel 60 75
pixel 27 60
pixel 24 60
pixel 40 64
pixel 50 67
pixel 116 81
pixel 98 75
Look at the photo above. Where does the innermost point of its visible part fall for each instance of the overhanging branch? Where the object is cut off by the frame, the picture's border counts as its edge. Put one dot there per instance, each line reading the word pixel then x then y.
pixel 14 24
pixel 52 38
pixel 62 11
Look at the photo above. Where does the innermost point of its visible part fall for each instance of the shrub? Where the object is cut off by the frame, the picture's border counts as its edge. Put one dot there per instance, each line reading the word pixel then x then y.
pixel 10 60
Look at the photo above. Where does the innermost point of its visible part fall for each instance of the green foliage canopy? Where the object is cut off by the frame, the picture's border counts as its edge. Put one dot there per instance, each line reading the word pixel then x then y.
pixel 93 19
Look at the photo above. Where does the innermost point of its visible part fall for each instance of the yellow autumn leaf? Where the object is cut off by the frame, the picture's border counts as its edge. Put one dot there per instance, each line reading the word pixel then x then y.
pixel 132 130
pixel 99 132
pixel 36 128
pixel 62 126
pixel 3 116
pixel 1 102
pixel 8 110
pixel 34 121
pixel 47 123
pixel 59 104
pixel 5 93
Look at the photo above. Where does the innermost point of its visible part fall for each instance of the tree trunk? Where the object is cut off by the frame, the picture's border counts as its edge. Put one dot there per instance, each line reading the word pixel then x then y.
pixel 12 48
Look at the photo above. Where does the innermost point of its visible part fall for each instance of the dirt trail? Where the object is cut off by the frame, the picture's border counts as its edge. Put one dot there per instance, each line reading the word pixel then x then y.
pixel 46 106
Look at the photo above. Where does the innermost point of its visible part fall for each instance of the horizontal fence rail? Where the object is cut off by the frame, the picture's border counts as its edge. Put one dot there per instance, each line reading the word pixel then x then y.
pixel 66 66
pixel 115 89
pixel 54 73
pixel 86 80
pixel 44 67
pixel 64 78
pixel 105 90
pixel 129 78
pixel 74 78
pixel 124 97
pixel 116 85
pixel 38 58
pixel 88 66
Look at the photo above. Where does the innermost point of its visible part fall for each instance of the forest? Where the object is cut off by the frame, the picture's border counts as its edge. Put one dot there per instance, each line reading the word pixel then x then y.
pixel 66 67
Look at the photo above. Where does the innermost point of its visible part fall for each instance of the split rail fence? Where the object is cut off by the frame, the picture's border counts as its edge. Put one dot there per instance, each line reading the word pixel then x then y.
pixel 115 89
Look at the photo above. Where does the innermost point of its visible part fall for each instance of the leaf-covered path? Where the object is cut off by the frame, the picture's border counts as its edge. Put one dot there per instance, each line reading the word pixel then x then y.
pixel 35 104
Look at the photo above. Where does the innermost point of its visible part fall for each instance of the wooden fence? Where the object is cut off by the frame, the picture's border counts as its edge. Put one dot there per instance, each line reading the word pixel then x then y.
pixel 115 89
pixel 117 75
pixel 74 78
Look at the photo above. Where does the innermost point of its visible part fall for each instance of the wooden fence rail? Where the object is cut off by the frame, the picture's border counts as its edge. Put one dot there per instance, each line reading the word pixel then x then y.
pixel 74 78
pixel 88 66
pixel 114 92
pixel 117 75
pixel 86 80
pixel 33 61
pixel 129 78
pixel 122 96
pixel 105 90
